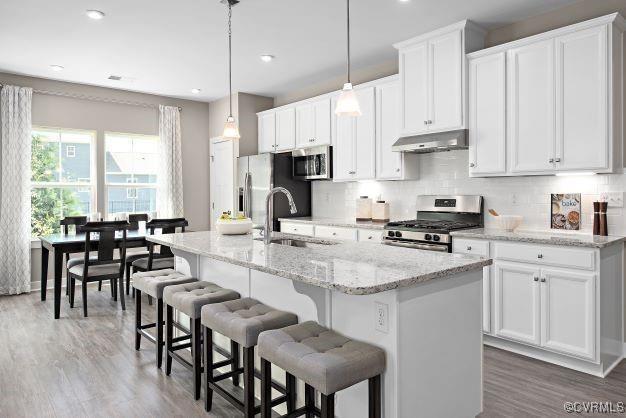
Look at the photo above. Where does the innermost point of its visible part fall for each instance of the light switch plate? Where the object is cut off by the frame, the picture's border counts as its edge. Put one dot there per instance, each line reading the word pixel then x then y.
pixel 614 199
pixel 382 317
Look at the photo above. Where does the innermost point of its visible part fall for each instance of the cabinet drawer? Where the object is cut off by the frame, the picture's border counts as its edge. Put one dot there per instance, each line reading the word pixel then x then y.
pixel 335 232
pixel 297 228
pixel 546 255
pixel 470 246
pixel 370 235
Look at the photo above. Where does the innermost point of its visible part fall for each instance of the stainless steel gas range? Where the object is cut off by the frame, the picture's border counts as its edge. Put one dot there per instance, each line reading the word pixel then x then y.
pixel 436 217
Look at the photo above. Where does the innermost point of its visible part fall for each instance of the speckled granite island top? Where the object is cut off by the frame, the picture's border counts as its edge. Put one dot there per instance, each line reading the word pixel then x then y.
pixel 541 237
pixel 349 267
pixel 340 222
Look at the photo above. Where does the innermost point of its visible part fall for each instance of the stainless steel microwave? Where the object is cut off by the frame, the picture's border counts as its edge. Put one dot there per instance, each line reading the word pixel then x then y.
pixel 312 163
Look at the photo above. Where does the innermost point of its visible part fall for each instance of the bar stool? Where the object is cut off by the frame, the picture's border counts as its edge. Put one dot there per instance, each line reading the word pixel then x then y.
pixel 242 321
pixel 152 283
pixel 189 298
pixel 325 360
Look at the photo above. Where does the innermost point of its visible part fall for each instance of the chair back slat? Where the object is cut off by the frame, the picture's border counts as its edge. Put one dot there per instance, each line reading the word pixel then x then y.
pixel 167 226
pixel 135 218
pixel 77 221
pixel 106 242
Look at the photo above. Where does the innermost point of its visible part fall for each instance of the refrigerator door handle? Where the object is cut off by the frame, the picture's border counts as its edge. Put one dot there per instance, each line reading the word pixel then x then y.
pixel 247 196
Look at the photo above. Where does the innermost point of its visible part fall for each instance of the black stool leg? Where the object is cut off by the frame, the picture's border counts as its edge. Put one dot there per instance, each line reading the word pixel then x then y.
pixel 234 352
pixel 290 386
pixel 121 286
pixel 266 389
pixel 309 401
pixel 149 300
pixel 138 322
pixel 72 291
pixel 128 279
pixel 374 397
pixel 159 330
pixel 83 288
pixel 169 333
pixel 99 285
pixel 208 369
pixel 328 405
pixel 248 382
pixel 113 284
pixel 196 346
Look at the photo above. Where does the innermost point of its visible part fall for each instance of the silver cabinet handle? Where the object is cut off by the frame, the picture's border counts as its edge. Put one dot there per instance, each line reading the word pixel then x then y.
pixel 472 165
pixel 430 122
pixel 469 248
pixel 536 279
pixel 334 233
pixel 539 255
pixel 543 280
pixel 397 170
pixel 551 160
pixel 425 122
pixel 558 160
pixel 351 172
pixel 370 237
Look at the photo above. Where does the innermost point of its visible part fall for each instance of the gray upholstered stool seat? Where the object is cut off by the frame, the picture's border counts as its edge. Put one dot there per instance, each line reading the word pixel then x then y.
pixel 154 282
pixel 242 320
pixel 324 359
pixel 157 263
pixel 189 298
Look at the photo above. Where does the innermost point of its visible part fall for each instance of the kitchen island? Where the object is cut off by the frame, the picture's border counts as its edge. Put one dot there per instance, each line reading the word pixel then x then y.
pixel 423 308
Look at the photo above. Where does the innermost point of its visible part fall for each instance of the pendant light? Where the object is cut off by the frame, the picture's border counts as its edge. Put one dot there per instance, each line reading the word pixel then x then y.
pixel 231 130
pixel 348 104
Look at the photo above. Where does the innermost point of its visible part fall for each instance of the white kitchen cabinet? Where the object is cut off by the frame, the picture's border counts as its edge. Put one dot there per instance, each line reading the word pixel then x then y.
pixel 432 78
pixel 531 107
pixel 313 123
pixel 564 102
pixel 297 228
pixel 370 235
pixel 336 232
pixel 267 132
pixel 581 100
pixel 517 299
pixel 487 115
pixel 568 312
pixel 354 140
pixel 285 129
pixel 391 165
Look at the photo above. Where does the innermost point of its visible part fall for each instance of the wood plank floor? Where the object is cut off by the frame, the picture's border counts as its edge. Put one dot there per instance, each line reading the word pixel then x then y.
pixel 76 367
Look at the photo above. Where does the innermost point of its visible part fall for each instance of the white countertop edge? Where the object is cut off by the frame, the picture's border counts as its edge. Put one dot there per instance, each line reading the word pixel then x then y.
pixel 339 222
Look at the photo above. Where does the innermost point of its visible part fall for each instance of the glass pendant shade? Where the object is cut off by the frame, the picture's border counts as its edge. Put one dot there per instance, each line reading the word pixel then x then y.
pixel 348 104
pixel 231 130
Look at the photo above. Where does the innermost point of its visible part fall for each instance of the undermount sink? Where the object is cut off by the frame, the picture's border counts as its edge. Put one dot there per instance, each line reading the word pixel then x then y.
pixel 299 243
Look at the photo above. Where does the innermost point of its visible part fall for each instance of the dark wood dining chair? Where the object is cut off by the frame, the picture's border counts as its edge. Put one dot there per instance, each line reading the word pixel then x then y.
pixel 105 266
pixel 133 220
pixel 77 222
pixel 164 258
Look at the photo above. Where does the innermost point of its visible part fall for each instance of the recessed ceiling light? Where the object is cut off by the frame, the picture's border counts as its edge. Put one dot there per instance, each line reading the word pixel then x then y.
pixel 57 68
pixel 267 57
pixel 95 14
pixel 195 91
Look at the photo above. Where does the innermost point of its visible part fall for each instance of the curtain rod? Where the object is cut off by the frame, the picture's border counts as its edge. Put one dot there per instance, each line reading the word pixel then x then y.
pixel 95 98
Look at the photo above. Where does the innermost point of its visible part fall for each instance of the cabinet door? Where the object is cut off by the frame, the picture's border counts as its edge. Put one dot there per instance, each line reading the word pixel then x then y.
pixel 517 302
pixel 487 114
pixel 531 107
pixel 388 162
pixel 445 81
pixel 568 312
pixel 267 132
pixel 486 299
pixel 365 136
pixel 285 129
pixel 582 140
pixel 343 146
pixel 304 126
pixel 321 122
pixel 414 89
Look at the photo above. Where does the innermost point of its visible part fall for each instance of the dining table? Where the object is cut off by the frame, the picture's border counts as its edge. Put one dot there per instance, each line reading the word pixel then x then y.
pixel 61 244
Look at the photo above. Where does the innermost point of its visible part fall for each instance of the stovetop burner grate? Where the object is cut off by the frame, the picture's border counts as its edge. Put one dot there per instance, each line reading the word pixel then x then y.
pixel 429 224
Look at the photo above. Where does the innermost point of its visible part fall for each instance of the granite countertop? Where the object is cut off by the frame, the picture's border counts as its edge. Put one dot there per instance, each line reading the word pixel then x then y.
pixel 349 267
pixel 341 222
pixel 541 237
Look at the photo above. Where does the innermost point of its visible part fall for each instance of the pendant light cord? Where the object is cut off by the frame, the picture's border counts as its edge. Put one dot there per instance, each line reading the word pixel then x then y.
pixel 230 71
pixel 348 37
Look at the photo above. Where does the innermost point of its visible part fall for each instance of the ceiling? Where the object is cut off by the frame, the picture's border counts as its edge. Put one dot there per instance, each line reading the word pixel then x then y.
pixel 170 47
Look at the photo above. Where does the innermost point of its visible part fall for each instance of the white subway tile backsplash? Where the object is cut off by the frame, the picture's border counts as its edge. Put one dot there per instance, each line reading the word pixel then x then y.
pixel 446 173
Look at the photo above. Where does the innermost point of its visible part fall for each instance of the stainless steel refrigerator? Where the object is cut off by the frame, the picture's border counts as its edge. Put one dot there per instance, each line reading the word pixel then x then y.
pixel 257 174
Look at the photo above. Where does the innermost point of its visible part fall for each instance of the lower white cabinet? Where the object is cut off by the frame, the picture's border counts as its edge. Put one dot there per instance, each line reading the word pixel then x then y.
pixel 297 228
pixel 370 235
pixel 334 232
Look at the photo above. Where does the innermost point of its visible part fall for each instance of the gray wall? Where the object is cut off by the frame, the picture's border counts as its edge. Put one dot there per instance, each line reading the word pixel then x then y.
pixel 61 112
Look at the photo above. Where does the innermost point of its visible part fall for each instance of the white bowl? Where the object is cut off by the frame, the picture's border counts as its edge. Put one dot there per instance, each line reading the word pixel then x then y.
pixel 233 226
pixel 509 222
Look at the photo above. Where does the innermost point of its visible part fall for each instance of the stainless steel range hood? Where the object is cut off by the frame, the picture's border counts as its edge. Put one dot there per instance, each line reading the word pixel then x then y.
pixel 435 142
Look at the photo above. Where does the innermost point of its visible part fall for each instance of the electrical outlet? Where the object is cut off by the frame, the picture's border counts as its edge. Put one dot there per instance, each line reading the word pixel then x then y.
pixel 614 199
pixel 382 317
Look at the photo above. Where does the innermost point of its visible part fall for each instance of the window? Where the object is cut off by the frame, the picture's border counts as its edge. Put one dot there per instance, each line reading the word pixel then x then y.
pixel 63 177
pixel 130 159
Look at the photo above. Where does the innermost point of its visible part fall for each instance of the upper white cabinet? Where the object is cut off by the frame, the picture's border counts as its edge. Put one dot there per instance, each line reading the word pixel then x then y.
pixel 285 129
pixel 563 102
pixel 313 123
pixel 432 78
pixel 267 131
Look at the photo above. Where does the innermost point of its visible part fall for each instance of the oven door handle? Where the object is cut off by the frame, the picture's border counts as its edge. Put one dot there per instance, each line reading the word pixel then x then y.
pixel 429 247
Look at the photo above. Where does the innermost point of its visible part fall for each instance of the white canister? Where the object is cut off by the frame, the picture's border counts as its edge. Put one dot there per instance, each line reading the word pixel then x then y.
pixel 380 211
pixel 364 209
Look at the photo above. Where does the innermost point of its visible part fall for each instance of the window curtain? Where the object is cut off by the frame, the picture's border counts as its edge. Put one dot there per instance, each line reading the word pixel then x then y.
pixel 15 151
pixel 170 175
